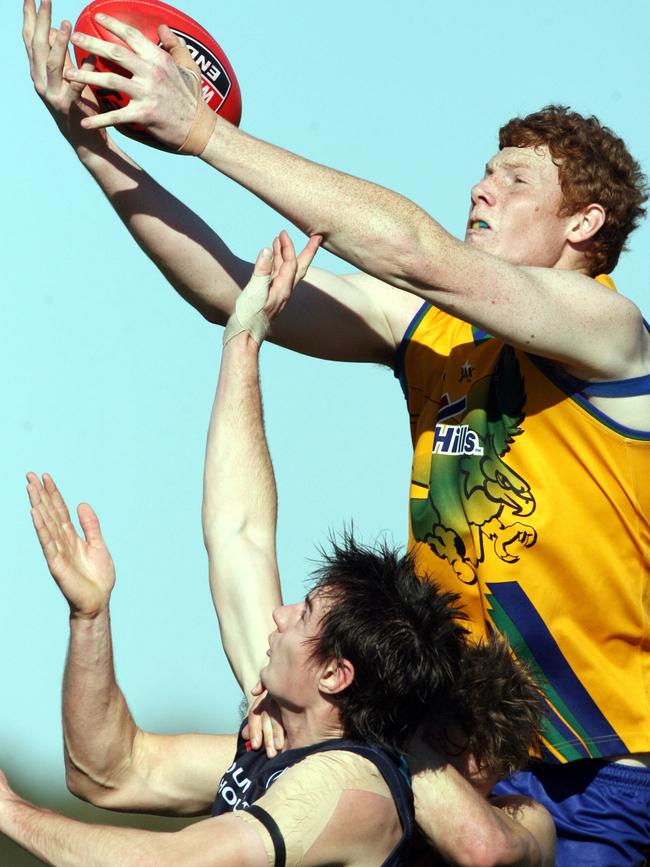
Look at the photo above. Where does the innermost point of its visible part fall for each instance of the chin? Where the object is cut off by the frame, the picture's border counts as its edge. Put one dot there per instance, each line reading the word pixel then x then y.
pixel 484 240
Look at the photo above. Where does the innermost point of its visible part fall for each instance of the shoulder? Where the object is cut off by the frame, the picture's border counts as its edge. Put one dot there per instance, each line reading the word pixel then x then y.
pixel 331 806
pixel 330 771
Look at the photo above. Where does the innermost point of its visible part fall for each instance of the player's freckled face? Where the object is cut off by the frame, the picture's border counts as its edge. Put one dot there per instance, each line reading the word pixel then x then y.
pixel 291 675
pixel 514 208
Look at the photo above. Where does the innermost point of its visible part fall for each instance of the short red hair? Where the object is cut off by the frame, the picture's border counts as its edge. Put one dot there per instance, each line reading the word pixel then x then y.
pixel 594 166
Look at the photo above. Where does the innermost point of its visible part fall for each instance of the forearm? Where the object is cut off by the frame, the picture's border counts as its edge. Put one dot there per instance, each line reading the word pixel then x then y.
pixel 464 828
pixel 98 729
pixel 191 256
pixel 64 842
pixel 240 506
pixel 373 228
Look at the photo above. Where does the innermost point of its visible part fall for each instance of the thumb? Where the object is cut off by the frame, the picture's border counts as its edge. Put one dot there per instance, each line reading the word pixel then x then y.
pixel 263 263
pixel 89 523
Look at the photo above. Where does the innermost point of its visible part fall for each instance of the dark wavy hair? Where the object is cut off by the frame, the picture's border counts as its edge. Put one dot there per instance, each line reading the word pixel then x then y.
pixel 496 711
pixel 594 166
pixel 403 636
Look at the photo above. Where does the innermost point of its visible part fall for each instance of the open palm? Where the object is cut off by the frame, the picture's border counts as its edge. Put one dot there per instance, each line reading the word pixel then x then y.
pixel 83 568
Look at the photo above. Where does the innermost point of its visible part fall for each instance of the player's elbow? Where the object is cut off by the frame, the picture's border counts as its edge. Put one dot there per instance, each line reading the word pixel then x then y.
pixel 222 529
pixel 96 785
pixel 498 849
pixel 78 784
pixel 398 260
pixel 86 789
pixel 420 255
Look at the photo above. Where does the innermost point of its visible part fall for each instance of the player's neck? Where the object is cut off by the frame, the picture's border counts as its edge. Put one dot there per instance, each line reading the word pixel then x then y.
pixel 310 726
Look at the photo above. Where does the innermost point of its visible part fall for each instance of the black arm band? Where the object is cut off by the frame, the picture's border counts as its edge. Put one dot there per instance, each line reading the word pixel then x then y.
pixel 274 832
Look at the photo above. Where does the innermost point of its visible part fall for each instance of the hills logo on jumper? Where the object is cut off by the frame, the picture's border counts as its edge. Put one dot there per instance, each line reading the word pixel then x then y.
pixel 467 500
pixel 457 439
pixel 216 82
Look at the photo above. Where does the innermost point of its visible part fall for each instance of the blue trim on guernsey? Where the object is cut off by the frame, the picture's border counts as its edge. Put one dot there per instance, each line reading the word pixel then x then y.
pixel 566 384
pixel 554 666
pixel 636 386
pixel 479 335
pixel 398 367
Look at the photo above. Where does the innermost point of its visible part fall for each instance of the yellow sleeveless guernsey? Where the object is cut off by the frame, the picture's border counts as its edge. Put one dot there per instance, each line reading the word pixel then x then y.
pixel 535 508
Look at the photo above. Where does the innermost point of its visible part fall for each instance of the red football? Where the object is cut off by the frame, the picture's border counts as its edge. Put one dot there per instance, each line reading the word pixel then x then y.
pixel 220 88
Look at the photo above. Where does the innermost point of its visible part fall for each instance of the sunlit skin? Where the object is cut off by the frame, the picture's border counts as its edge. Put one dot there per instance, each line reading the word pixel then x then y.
pixel 514 210
pixel 290 674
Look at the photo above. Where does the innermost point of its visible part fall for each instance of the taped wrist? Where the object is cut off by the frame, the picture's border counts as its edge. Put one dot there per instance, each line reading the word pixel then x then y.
pixel 249 312
pixel 205 119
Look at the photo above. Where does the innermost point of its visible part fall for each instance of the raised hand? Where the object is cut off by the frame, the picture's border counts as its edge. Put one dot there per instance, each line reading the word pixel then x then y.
pixel 275 274
pixel 163 96
pixel 47 49
pixel 287 271
pixel 83 568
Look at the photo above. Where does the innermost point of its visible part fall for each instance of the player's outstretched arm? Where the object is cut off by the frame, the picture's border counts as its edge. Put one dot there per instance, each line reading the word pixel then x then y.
pixel 554 312
pixel 239 491
pixel 192 257
pixel 109 760
pixel 333 317
pixel 63 842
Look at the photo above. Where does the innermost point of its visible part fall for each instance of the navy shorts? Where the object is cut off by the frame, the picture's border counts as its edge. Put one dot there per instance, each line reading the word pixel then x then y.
pixel 601 810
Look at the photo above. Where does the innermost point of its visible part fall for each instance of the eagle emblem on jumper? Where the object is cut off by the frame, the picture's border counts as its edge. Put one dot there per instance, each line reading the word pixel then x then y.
pixel 474 498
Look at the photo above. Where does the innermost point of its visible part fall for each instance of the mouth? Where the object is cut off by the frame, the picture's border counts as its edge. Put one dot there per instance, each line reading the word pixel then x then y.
pixel 477 225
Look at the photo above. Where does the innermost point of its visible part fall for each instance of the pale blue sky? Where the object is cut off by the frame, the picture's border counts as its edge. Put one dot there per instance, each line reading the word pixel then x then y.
pixel 108 377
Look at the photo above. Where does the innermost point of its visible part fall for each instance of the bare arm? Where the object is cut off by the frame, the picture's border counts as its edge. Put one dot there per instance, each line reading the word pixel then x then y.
pixel 334 317
pixel 64 842
pixel 469 831
pixel 239 491
pixel 109 760
pixel 560 314
pixel 239 514
pixel 557 313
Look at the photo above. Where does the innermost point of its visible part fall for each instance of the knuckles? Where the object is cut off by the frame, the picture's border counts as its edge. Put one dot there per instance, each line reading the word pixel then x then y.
pixel 131 33
pixel 117 52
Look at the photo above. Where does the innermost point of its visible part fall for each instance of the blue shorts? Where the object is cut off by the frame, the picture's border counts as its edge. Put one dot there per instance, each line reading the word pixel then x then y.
pixel 601 810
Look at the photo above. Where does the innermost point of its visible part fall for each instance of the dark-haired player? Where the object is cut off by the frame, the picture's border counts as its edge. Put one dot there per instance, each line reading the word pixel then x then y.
pixel 355 668
pixel 527 378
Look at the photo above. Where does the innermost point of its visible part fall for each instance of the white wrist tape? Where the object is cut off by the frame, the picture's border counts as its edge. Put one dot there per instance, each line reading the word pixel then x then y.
pixel 205 119
pixel 249 312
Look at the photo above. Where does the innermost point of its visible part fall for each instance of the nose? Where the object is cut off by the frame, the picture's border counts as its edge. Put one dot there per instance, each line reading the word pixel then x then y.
pixel 283 615
pixel 279 617
pixel 483 192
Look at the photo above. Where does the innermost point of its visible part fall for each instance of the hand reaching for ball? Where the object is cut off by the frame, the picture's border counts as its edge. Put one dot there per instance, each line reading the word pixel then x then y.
pixel 81 566
pixel 141 88
pixel 68 102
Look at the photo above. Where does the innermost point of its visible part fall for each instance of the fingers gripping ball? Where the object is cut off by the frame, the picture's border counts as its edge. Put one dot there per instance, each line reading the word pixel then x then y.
pixel 249 312
pixel 218 83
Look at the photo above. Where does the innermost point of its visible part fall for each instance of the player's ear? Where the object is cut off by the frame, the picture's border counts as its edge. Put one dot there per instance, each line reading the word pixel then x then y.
pixel 336 675
pixel 585 223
